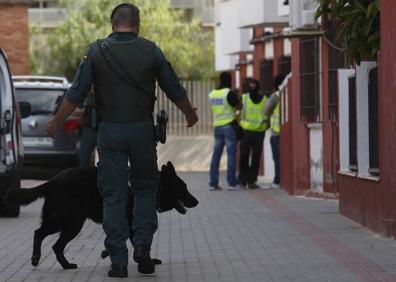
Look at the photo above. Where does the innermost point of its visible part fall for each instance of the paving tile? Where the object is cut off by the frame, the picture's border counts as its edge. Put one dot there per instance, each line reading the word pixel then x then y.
pixel 262 235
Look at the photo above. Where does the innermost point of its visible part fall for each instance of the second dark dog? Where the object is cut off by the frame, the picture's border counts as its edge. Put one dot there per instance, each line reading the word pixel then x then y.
pixel 72 196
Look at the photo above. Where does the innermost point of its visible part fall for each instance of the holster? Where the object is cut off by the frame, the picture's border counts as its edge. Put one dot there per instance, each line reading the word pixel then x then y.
pixel 160 127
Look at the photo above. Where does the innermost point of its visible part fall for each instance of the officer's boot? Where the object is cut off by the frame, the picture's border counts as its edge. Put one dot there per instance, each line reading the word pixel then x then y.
pixel 141 255
pixel 118 271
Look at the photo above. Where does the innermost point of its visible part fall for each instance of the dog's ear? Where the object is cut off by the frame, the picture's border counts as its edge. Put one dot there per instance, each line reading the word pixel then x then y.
pixel 171 168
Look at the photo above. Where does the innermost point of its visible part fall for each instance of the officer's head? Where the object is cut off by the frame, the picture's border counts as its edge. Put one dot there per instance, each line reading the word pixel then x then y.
pixel 254 86
pixel 225 79
pixel 125 17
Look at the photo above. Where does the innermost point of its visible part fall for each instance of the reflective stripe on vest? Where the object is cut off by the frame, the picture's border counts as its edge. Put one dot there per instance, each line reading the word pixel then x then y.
pixel 223 112
pixel 275 119
pixel 252 115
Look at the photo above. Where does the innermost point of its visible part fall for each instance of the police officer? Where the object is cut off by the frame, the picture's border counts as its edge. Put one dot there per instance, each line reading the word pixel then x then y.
pixel 273 110
pixel 224 102
pixel 254 123
pixel 123 69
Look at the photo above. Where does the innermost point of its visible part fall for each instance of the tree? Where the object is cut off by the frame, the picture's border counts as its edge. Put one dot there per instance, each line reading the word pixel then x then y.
pixel 359 30
pixel 186 45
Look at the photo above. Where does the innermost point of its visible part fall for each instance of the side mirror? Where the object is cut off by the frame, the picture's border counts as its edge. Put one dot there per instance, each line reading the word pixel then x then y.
pixel 25 109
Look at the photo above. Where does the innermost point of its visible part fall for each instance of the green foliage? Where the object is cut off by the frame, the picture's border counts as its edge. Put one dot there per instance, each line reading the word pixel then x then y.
pixel 359 30
pixel 186 45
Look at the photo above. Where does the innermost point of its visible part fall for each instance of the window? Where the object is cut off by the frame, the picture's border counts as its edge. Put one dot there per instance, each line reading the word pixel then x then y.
pixel 266 76
pixel 352 124
pixel 310 80
pixel 284 65
pixel 373 122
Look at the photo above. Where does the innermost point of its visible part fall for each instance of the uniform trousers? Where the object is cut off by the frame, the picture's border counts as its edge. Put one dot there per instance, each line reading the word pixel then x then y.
pixel 118 143
pixel 250 149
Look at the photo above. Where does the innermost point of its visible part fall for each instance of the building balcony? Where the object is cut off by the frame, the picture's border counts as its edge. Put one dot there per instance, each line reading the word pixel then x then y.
pixel 46 17
pixel 260 13
pixel 184 4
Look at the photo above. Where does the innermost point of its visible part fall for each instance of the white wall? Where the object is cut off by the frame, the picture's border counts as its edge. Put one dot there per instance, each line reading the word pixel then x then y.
pixel 343 116
pixel 233 38
pixel 316 157
pixel 222 61
pixel 363 148
pixel 259 12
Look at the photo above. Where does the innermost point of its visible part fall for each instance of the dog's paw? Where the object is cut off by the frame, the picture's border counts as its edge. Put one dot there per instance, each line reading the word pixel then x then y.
pixel 70 266
pixel 156 261
pixel 104 254
pixel 35 260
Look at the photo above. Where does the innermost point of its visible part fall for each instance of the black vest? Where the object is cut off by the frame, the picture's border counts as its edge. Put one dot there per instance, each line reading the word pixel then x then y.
pixel 116 99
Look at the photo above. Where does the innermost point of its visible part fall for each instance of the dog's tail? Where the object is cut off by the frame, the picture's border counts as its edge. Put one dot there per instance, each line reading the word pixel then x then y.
pixel 25 196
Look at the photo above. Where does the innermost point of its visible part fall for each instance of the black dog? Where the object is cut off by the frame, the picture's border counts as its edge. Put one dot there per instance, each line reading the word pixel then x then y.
pixel 72 196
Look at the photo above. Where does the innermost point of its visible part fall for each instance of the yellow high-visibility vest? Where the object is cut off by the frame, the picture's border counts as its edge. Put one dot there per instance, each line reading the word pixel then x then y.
pixel 223 112
pixel 252 115
pixel 275 119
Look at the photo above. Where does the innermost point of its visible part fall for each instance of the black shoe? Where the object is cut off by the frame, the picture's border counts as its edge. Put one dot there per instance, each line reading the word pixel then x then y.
pixel 141 255
pixel 118 271
pixel 253 186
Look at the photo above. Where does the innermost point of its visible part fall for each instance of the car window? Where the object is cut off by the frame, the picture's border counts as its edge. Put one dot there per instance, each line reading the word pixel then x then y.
pixel 41 101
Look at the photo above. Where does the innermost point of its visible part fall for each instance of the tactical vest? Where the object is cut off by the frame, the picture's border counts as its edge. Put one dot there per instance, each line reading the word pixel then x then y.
pixel 275 119
pixel 116 99
pixel 223 112
pixel 252 115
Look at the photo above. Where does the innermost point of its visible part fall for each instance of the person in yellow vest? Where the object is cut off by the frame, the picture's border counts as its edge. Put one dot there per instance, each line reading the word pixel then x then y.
pixel 224 103
pixel 254 123
pixel 273 110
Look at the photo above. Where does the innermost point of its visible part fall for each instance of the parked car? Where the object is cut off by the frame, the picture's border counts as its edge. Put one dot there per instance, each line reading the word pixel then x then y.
pixel 11 148
pixel 45 94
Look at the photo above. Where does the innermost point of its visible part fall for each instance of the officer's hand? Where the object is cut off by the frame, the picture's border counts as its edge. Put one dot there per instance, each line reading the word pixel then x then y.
pixel 51 128
pixel 192 118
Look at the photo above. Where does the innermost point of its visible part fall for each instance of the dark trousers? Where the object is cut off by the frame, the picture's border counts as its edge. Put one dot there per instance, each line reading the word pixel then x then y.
pixel 275 156
pixel 118 143
pixel 250 147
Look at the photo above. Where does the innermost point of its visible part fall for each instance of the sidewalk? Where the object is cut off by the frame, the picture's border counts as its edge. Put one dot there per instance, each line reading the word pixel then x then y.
pixel 252 235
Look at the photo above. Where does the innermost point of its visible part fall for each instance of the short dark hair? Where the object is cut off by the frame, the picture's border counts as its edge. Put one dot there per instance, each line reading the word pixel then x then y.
pixel 125 15
pixel 278 79
pixel 225 79
pixel 255 82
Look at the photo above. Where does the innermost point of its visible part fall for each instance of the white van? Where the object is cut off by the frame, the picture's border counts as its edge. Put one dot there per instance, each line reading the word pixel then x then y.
pixel 11 146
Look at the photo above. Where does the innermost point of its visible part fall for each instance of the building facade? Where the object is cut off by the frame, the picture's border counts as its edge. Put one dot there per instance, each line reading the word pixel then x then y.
pixel 337 122
pixel 14 34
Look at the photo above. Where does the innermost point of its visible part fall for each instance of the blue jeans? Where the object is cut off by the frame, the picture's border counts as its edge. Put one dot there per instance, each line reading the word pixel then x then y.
pixel 275 157
pixel 118 143
pixel 224 135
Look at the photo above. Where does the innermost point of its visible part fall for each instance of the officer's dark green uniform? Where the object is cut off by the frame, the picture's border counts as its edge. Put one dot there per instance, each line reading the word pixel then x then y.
pixel 125 132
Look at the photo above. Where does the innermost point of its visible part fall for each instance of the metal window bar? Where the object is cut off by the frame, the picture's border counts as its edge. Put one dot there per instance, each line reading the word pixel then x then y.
pixel 336 59
pixel 310 80
pixel 352 124
pixel 266 77
pixel 373 123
